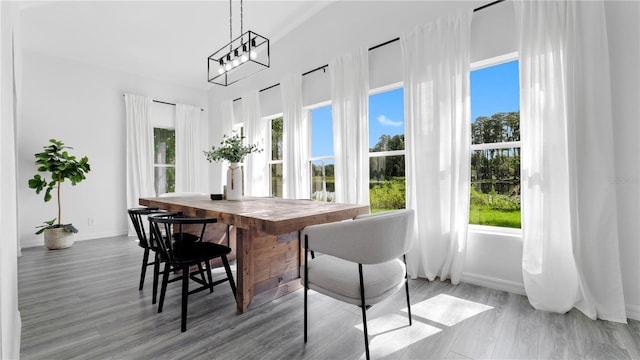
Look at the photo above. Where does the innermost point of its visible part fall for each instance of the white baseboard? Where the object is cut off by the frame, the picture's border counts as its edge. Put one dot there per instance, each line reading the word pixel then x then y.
pixel 633 312
pixel 13 352
pixel 39 241
pixel 493 283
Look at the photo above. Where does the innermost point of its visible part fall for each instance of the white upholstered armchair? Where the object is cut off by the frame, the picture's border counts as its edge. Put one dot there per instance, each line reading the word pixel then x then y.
pixel 361 260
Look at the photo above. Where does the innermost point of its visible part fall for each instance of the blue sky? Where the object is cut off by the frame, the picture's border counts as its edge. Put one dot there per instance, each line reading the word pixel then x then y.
pixel 493 89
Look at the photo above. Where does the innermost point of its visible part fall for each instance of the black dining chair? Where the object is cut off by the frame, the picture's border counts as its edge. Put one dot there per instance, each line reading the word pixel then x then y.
pixel 175 239
pixel 138 217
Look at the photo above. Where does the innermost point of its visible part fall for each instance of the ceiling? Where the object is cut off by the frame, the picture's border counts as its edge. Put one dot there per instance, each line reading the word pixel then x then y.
pixel 163 40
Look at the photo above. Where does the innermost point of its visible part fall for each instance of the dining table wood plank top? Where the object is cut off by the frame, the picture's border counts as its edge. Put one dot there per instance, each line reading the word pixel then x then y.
pixel 268 244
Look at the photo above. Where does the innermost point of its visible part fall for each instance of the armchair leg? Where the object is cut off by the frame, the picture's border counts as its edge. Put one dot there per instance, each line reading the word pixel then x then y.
pixel 406 285
pixel 364 312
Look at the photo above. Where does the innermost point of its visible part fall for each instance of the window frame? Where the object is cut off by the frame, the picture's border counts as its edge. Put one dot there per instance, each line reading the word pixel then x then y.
pixel 162 166
pixel 379 90
pixel 489 229
pixel 383 154
pixel 268 145
pixel 309 109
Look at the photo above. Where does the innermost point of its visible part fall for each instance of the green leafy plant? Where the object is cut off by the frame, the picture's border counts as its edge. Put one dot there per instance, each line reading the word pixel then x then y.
pixel 232 149
pixel 60 165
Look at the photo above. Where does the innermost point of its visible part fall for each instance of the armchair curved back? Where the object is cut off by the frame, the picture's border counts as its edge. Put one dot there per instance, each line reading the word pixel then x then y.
pixel 368 239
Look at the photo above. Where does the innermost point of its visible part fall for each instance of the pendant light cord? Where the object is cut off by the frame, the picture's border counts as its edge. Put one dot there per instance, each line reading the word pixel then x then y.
pixel 241 16
pixel 230 27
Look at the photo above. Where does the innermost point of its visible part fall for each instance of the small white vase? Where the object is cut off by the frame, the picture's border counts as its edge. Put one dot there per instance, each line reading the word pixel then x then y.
pixel 58 238
pixel 234 182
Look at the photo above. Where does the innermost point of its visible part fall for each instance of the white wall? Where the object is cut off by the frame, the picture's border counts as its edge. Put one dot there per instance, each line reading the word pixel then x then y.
pixel 10 322
pixel 83 106
pixel 492 260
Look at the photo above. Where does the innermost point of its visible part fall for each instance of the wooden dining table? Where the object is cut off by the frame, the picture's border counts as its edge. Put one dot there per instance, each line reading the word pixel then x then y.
pixel 267 237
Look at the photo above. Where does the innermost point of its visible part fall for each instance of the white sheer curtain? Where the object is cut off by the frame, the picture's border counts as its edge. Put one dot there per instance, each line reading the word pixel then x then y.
pixel 226 125
pixel 435 59
pixel 569 225
pixel 139 148
pixel 350 111
pixel 296 176
pixel 188 147
pixel 256 166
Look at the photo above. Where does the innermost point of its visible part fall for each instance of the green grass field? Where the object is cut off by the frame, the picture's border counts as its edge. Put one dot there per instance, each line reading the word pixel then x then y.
pixel 493 217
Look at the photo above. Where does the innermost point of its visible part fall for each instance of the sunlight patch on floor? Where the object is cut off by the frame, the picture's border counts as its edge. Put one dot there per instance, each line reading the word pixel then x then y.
pixel 391 333
pixel 447 310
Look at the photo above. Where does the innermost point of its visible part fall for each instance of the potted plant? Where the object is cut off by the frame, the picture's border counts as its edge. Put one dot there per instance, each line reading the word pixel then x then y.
pixel 61 166
pixel 233 149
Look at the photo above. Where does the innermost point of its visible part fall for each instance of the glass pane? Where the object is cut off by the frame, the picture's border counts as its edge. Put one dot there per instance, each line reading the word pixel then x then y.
pixel 276 139
pixel 321 132
pixel 164 142
pixel 276 180
pixel 165 179
pixel 386 121
pixel 323 186
pixel 495 104
pixel 495 187
pixel 387 186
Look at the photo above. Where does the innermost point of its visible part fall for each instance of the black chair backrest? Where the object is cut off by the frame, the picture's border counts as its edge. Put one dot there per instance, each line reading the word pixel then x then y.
pixel 168 231
pixel 136 215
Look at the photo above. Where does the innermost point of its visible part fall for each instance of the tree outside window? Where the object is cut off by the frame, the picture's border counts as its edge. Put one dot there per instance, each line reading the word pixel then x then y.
pixel 164 155
pixel 495 149
pixel 275 163
pixel 387 185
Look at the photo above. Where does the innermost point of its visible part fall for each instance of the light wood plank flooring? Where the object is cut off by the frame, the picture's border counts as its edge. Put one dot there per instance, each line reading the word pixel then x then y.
pixel 83 303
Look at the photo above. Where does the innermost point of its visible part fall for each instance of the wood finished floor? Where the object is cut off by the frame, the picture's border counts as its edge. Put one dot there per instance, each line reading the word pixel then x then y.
pixel 83 303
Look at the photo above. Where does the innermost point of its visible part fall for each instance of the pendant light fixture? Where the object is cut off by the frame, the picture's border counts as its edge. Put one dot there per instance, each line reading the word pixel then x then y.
pixel 243 56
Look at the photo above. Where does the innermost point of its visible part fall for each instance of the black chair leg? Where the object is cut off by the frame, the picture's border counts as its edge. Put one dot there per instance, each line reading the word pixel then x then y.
pixel 207 265
pixel 227 269
pixel 145 260
pixel 185 295
pixel 201 272
pixel 156 275
pixel 163 290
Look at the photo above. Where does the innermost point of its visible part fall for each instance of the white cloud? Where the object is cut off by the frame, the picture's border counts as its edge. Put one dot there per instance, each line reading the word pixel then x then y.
pixel 382 119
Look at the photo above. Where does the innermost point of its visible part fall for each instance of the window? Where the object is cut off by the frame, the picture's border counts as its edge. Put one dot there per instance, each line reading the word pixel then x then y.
pixel 275 162
pixel 164 155
pixel 387 186
pixel 495 146
pixel 322 159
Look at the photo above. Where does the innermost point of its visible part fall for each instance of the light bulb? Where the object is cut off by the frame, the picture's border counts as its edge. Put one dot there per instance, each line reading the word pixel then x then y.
pixel 252 53
pixel 236 62
pixel 244 57
pixel 228 66
pixel 221 69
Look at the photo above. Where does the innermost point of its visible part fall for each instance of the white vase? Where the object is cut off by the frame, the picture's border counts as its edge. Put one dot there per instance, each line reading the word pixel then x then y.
pixel 234 182
pixel 58 238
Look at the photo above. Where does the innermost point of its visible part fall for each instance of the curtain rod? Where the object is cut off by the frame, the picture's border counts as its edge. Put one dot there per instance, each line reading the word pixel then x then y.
pixel 166 103
pixel 323 67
